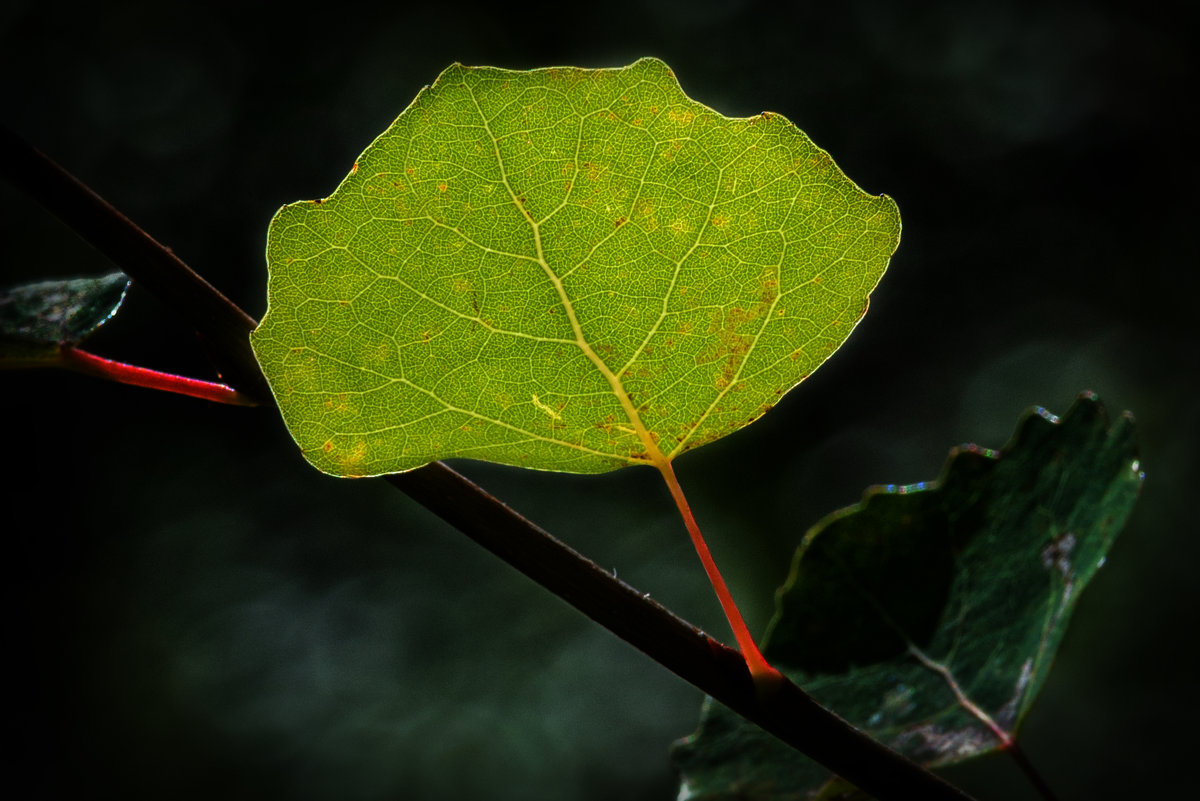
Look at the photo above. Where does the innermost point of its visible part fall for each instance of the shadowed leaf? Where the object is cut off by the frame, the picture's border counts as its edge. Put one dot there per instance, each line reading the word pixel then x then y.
pixel 564 269
pixel 928 615
pixel 36 319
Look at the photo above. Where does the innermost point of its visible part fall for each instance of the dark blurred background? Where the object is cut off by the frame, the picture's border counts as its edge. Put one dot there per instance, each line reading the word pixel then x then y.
pixel 195 613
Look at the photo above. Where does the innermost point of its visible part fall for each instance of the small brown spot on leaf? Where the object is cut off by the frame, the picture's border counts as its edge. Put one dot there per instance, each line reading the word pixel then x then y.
pixel 352 460
pixel 593 170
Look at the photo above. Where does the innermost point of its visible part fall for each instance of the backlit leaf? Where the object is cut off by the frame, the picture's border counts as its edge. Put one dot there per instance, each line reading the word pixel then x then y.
pixel 564 269
pixel 928 615
pixel 36 319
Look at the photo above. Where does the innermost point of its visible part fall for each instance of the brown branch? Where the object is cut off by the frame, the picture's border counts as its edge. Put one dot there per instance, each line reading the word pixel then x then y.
pixel 1031 772
pixel 783 710
pixel 221 324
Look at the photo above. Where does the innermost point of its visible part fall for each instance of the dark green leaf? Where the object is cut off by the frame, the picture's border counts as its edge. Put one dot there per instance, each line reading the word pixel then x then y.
pixel 36 319
pixel 928 615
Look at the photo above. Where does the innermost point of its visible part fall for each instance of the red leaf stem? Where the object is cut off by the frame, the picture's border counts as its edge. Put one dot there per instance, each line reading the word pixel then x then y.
pixel 81 361
pixel 760 669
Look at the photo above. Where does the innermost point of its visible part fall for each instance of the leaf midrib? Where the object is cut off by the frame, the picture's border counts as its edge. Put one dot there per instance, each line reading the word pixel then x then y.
pixel 613 378
pixel 653 453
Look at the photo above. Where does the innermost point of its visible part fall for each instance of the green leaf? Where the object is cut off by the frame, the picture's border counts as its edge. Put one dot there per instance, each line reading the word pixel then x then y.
pixel 928 615
pixel 36 319
pixel 563 269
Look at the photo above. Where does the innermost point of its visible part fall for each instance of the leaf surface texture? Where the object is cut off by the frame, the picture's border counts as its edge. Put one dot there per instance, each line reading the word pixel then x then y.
pixel 563 269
